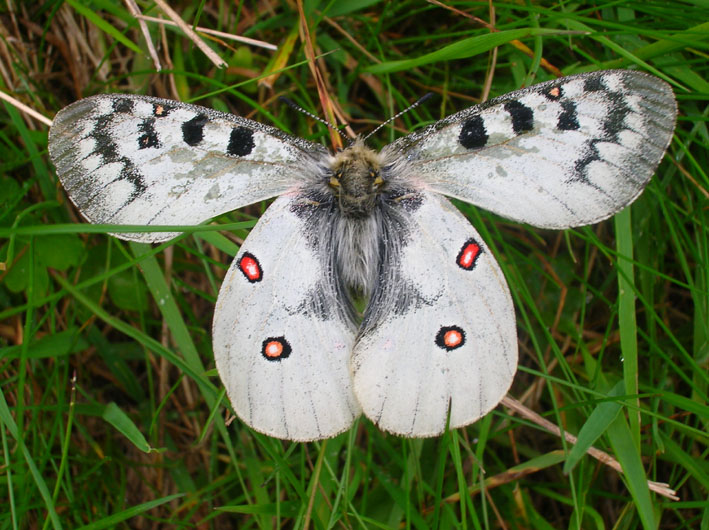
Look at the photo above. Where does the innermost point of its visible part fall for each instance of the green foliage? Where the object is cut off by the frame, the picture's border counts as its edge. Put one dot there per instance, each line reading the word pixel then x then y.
pixel 613 318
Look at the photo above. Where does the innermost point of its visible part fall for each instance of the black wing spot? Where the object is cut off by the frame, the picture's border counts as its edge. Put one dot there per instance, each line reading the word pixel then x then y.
pixel 553 93
pixel 581 166
pixel 615 122
pixel 149 138
pixel 160 110
pixel 522 116
pixel 133 175
pixel 473 134
pixel 193 130
pixel 105 146
pixel 122 105
pixel 568 119
pixel 241 141
pixel 593 84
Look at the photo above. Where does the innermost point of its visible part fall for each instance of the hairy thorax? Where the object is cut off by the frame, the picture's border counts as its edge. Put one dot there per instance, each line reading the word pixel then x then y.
pixel 356 180
pixel 360 184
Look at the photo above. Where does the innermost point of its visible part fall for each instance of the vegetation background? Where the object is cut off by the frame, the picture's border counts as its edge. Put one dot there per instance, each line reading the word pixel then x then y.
pixel 111 412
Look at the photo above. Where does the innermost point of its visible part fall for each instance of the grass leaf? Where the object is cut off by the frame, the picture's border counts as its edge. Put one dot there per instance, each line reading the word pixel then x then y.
pixel 112 520
pixel 462 49
pixel 627 454
pixel 597 423
pixel 123 424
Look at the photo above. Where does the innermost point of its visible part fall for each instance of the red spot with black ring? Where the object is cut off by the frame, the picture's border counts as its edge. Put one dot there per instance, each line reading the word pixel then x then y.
pixel 450 337
pixel 250 267
pixel 469 254
pixel 275 348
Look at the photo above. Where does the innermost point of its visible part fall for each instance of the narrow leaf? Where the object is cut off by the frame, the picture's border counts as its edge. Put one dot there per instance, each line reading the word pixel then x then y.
pixel 123 424
pixel 461 49
pixel 597 423
pixel 112 520
pixel 104 26
pixel 629 458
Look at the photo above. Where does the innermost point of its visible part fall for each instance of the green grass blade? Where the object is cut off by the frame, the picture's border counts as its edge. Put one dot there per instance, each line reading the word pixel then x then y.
pixel 627 454
pixel 160 291
pixel 123 424
pixel 9 423
pixel 626 315
pixel 597 423
pixel 143 339
pixel 112 520
pixel 104 26
pixel 698 468
pixel 117 229
pixel 462 49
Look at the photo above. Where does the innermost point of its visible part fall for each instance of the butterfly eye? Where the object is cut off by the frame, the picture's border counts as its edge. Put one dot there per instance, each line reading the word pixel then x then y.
pixel 335 178
pixel 376 177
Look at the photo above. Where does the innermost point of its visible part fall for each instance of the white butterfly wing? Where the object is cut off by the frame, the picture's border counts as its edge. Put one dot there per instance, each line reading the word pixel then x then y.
pixel 282 340
pixel 439 331
pixel 140 160
pixel 564 153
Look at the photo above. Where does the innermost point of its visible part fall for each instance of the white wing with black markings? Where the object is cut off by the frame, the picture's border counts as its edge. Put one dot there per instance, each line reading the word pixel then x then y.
pixel 568 152
pixel 147 161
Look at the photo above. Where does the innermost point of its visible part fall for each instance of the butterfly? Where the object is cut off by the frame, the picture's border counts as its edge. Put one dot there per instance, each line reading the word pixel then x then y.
pixel 436 346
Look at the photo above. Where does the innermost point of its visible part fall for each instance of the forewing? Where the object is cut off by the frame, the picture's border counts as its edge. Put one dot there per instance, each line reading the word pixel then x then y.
pixel 282 337
pixel 146 161
pixel 440 330
pixel 564 153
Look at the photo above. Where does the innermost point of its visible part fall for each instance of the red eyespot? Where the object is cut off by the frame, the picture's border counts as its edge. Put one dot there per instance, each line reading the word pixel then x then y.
pixel 275 348
pixel 450 337
pixel 250 267
pixel 468 255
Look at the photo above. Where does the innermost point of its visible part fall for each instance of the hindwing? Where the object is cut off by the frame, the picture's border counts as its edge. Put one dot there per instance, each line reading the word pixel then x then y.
pixel 440 330
pixel 282 335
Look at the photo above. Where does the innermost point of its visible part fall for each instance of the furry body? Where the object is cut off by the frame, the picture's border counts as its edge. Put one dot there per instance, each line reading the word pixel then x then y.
pixel 362 197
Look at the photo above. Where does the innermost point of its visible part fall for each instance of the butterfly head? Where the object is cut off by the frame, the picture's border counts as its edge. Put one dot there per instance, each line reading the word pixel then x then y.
pixel 356 179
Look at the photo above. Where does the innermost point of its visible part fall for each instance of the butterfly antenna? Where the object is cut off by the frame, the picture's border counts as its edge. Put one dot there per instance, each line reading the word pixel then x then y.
pixel 297 107
pixel 407 109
